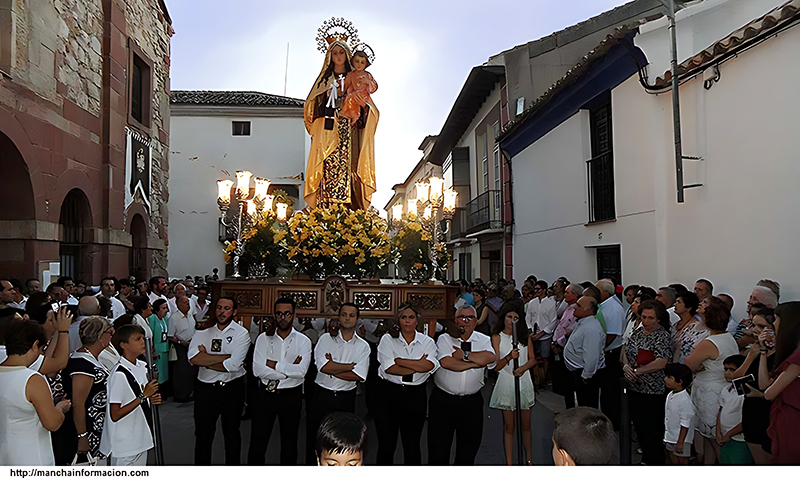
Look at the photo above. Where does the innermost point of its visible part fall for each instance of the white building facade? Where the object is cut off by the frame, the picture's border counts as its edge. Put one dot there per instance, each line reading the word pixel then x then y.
pixel 214 134
pixel 595 183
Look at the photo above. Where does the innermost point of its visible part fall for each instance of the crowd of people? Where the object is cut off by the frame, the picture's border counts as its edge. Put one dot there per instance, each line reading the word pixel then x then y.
pixel 79 383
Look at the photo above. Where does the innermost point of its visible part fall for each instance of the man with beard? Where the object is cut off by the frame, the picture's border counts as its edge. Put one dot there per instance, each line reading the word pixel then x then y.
pixel 219 351
pixel 280 362
pixel 342 359
pixel 456 404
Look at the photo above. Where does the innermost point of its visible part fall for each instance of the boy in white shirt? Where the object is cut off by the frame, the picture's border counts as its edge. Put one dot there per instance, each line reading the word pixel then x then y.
pixel 127 431
pixel 733 448
pixel 678 414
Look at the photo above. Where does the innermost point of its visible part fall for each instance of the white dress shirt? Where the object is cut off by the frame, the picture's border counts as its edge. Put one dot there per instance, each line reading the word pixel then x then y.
pixel 284 352
pixel 679 411
pixel 181 326
pixel 130 435
pixel 461 383
pixel 391 348
pixel 233 340
pixel 614 315
pixel 673 317
pixel 18 305
pixel 200 313
pixel 356 350
pixel 542 313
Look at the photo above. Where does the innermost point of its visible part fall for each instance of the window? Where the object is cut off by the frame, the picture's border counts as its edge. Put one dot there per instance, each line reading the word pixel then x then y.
pixel 520 105
pixel 601 167
pixel 465 266
pixel 485 162
pixel 241 128
pixel 140 87
pixel 609 263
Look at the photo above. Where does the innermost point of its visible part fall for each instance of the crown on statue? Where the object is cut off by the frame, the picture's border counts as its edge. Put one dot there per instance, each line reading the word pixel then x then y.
pixel 336 29
pixel 362 47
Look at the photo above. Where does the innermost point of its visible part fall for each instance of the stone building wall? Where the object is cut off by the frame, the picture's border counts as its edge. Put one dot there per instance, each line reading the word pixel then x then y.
pixel 151 31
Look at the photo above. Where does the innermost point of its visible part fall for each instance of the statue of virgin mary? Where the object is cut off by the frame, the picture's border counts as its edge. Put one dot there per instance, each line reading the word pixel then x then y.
pixel 341 161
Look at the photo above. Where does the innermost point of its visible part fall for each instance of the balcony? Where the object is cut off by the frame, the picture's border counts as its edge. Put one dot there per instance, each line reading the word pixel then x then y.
pixel 485 212
pixel 458 226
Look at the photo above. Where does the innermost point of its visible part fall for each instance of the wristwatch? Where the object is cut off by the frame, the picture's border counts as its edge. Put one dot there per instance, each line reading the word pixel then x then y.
pixel 142 398
pixel 466 356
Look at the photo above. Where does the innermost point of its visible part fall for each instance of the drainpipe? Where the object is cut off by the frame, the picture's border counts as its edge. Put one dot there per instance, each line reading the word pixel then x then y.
pixel 676 103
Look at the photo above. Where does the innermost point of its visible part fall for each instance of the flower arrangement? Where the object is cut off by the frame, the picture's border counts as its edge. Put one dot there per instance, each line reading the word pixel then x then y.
pixel 337 240
pixel 263 251
pixel 412 249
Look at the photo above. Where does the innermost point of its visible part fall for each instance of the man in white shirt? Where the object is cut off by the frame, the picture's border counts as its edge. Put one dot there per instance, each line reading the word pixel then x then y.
pixel 342 360
pixel 180 331
pixel 219 351
pixel 68 284
pixel 108 289
pixel 158 289
pixel 280 361
pixel 542 318
pixel 11 295
pixel 200 303
pixel 180 291
pixel 667 296
pixel 614 316
pixel 456 404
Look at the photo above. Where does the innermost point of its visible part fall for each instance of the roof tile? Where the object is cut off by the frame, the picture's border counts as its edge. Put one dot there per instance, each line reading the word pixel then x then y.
pixel 232 98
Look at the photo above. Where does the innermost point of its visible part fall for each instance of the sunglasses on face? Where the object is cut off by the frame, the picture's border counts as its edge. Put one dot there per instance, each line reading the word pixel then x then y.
pixel 283 315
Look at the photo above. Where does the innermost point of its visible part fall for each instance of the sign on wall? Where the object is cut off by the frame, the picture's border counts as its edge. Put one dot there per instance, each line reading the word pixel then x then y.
pixel 138 167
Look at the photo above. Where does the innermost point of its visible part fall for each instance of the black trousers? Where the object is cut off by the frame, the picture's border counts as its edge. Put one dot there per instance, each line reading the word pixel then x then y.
pixel 372 384
pixel 285 405
pixel 183 374
pixel 450 415
pixel 588 391
pixel 324 403
pixel 213 401
pixel 647 414
pixel 610 390
pixel 401 409
pixel 562 380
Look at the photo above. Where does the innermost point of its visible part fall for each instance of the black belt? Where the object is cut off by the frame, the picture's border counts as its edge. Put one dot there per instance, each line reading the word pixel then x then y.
pixel 335 393
pixel 220 383
pixel 279 389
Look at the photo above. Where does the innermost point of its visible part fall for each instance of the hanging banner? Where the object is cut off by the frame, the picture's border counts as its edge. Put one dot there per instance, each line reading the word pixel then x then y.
pixel 138 167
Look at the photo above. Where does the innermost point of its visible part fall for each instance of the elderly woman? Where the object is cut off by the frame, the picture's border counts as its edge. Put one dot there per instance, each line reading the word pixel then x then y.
pixel 706 361
pixel 160 327
pixel 407 359
pixel 85 384
pixel 644 357
pixel 27 413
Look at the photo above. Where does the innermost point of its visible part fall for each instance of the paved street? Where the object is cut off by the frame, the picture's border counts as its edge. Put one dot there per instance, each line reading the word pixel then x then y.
pixel 178 433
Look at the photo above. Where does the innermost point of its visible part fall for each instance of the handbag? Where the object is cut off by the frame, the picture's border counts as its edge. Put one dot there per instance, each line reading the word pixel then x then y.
pixel 90 460
pixel 173 354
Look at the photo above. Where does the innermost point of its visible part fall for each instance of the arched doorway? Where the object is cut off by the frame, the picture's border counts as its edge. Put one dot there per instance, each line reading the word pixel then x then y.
pixel 137 261
pixel 17 209
pixel 75 217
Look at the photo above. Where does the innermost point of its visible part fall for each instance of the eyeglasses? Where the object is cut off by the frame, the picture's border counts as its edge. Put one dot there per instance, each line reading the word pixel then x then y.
pixel 283 315
pixel 466 318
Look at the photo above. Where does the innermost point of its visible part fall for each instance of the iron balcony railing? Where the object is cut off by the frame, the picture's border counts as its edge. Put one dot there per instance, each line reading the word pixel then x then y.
pixel 458 226
pixel 600 171
pixel 485 212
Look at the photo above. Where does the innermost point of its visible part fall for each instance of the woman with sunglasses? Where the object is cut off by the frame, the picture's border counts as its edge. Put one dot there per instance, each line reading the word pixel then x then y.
pixel 85 384
pixel 407 358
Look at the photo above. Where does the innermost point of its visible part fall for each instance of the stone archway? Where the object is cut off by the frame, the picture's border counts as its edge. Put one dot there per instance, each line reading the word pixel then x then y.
pixel 75 219
pixel 17 213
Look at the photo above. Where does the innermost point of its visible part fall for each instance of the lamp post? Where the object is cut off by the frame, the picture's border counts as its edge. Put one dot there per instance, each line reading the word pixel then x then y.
pixel 438 199
pixel 259 202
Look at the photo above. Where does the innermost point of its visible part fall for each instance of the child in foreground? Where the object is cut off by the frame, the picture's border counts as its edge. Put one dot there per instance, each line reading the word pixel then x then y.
pixel 583 436
pixel 678 414
pixel 341 440
pixel 127 433
pixel 733 449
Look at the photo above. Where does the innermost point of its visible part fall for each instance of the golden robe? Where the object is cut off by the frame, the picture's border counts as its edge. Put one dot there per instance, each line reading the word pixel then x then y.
pixel 325 143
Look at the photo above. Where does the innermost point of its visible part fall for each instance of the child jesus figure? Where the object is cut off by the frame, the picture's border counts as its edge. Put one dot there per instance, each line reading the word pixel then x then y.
pixel 358 85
